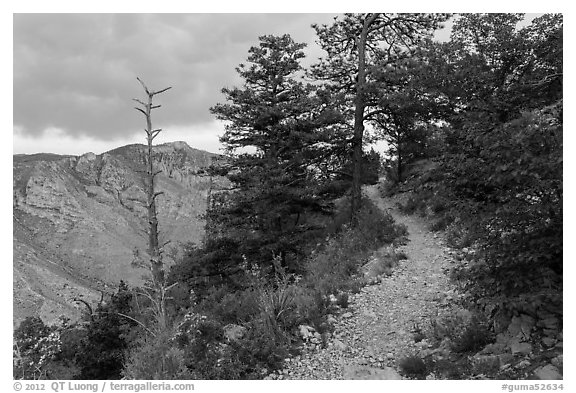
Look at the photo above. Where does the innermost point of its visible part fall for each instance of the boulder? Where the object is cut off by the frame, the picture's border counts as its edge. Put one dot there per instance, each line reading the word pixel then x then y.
pixel 495 348
pixel 505 358
pixel 306 331
pixel 520 348
pixel 559 345
pixel 548 342
pixel 548 372
pixel 549 323
pixel 521 326
pixel 558 361
pixel 485 362
pixel 523 364
pixel 501 322
pixel 503 338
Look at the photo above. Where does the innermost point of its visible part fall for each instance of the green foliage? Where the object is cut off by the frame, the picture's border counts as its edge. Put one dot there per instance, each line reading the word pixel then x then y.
pixel 215 264
pixel 35 347
pixel 231 306
pixel 279 135
pixel 329 268
pixel 277 306
pixel 386 259
pixel 29 331
pixel 520 229
pixel 465 332
pixel 413 367
pixel 272 306
pixel 442 223
pixel 342 299
pixel 500 156
pixel 156 358
pixel 370 84
pixel 266 343
pixel 101 354
pixel 485 106
pixel 370 170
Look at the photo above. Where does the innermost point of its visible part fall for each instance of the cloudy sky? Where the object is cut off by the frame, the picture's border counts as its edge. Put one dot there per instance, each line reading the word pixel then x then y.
pixel 75 74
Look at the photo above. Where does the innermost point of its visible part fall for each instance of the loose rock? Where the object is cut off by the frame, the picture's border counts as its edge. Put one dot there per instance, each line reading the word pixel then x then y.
pixel 548 372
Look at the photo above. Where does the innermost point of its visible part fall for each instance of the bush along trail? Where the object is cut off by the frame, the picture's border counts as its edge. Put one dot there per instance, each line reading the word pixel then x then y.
pixel 406 323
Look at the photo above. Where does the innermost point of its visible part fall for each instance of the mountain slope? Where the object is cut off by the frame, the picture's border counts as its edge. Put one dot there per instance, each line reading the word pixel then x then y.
pixel 79 221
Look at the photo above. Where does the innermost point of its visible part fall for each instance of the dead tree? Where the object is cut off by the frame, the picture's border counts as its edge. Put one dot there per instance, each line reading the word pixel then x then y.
pixel 153 244
pixel 154 247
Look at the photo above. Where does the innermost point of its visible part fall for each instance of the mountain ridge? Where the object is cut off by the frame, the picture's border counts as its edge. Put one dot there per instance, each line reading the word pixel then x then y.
pixel 79 222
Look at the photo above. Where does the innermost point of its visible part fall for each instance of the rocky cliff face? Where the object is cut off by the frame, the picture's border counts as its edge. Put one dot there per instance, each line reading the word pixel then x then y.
pixel 79 221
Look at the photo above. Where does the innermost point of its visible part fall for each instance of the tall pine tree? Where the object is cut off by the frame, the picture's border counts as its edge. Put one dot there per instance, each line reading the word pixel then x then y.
pixel 277 135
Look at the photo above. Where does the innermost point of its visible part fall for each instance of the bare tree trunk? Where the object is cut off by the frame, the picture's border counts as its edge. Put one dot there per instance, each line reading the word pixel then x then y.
pixel 360 105
pixel 400 168
pixel 154 249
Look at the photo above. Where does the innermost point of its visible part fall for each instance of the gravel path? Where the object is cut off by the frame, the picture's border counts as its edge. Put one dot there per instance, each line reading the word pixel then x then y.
pixel 377 328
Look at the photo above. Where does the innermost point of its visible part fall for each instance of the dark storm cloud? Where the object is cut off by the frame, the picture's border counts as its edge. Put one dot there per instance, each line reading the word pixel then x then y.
pixel 77 72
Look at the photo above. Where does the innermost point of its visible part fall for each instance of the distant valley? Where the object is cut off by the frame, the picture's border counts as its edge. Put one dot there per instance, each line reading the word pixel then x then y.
pixel 78 221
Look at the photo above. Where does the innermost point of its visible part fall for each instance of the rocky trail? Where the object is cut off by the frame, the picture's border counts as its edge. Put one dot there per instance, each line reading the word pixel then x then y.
pixel 377 329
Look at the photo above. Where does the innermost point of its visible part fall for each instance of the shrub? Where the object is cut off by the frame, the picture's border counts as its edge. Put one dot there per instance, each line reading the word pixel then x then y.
pixel 386 259
pixel 266 343
pixel 330 267
pixel 388 188
pixel 475 336
pixel 229 306
pixel 342 299
pixel 417 202
pixel 276 305
pixel 438 205
pixel 309 306
pixel 102 353
pixel 413 367
pixel 458 236
pixel 35 347
pixel 510 183
pixel 156 358
pixel 466 332
pixel 442 223
pixel 271 307
pixel 410 206
pixel 418 333
pixel 355 284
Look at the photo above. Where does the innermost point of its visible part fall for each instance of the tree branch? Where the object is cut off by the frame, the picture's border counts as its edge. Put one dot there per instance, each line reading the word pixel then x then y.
pixel 140 102
pixel 160 91
pixel 143 85
pixel 141 110
pixel 91 313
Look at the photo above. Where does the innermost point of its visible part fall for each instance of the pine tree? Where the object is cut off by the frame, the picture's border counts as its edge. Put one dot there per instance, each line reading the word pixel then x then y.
pixel 357 46
pixel 277 134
